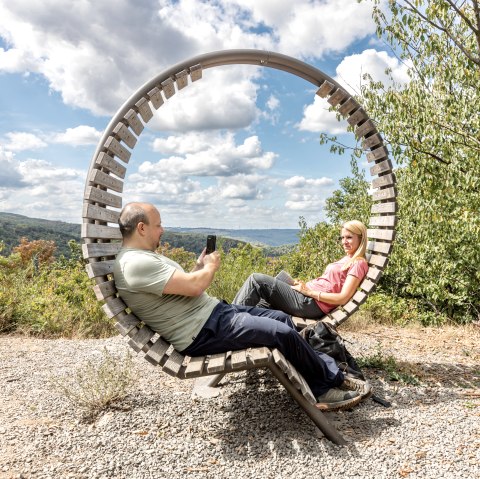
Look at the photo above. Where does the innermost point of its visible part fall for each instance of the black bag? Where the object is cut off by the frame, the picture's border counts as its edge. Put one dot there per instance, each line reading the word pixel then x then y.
pixel 323 337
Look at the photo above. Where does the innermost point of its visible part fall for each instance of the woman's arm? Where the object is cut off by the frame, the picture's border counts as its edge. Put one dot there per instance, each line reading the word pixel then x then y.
pixel 348 290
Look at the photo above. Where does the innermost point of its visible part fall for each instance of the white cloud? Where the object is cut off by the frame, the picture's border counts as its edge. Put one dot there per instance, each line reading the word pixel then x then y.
pixel 302 182
pixel 10 176
pixel 317 118
pixel 78 136
pixel 19 141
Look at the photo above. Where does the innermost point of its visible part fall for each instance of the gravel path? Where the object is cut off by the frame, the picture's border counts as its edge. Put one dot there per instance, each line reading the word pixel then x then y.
pixel 253 429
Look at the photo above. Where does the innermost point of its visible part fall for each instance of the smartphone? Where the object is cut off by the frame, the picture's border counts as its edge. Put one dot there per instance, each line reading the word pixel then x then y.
pixel 211 244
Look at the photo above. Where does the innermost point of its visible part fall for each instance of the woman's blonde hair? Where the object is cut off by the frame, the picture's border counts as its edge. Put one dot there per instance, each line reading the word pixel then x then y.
pixel 358 228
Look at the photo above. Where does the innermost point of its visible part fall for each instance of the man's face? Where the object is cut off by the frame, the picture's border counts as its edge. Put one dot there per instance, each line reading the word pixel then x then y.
pixel 154 230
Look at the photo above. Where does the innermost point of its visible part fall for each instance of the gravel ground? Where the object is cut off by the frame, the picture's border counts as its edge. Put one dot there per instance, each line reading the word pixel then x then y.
pixel 253 429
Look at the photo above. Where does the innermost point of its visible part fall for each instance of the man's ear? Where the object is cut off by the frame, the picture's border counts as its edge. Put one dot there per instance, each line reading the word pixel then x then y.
pixel 141 228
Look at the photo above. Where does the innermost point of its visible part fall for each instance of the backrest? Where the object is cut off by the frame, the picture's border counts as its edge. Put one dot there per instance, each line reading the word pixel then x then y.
pixel 104 186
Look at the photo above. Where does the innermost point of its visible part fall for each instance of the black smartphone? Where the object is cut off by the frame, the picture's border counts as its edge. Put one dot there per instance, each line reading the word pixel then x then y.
pixel 211 244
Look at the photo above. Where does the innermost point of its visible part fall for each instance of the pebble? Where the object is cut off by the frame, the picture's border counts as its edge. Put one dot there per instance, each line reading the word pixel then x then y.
pixel 251 430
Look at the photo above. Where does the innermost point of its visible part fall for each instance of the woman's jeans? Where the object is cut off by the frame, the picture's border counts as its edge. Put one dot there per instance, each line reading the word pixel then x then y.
pixel 232 327
pixel 268 292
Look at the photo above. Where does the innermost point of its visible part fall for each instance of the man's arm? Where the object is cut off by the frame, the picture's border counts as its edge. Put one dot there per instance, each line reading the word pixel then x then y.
pixel 196 282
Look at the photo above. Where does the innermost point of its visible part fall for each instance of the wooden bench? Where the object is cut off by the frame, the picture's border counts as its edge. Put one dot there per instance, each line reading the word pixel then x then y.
pixel 103 201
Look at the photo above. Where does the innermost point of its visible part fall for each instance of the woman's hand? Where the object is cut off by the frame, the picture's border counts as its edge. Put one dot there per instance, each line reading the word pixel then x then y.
pixel 299 286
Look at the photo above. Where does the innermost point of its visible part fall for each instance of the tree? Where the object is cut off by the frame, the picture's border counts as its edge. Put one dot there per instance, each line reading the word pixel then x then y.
pixel 432 126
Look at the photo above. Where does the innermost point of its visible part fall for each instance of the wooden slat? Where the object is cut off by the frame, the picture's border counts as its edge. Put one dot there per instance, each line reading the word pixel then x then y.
pixel 135 123
pixel 389 207
pixel 383 221
pixel 381 234
pixel 350 307
pixel 98 250
pixel 125 135
pixel 216 363
pixel 368 285
pixel 239 359
pixel 258 355
pixel 359 297
pixel 378 260
pixel 338 97
pixel 94 212
pixel 168 87
pixel 372 141
pixel 182 79
pixel 103 179
pixel 102 268
pixel 300 323
pixel 381 167
pixel 384 180
pixel 96 195
pixel 338 315
pixel 379 247
pixel 357 117
pixel 374 274
pixel 90 230
pixel 114 306
pixel 144 109
pixel 104 290
pixel 156 354
pixel 174 363
pixel 348 107
pixel 367 127
pixel 377 154
pixel 106 162
pixel 155 96
pixel 195 367
pixel 126 323
pixel 325 89
pixel 141 338
pixel 195 72
pixel 385 194
pixel 114 146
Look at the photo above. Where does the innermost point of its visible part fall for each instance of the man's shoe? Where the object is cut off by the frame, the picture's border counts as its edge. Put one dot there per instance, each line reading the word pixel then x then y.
pixel 364 388
pixel 335 399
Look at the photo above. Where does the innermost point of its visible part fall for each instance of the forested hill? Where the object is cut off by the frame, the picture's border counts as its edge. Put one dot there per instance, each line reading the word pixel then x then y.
pixel 13 227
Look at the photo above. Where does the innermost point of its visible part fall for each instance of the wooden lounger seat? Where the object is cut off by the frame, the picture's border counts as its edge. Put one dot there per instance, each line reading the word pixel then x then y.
pixel 103 201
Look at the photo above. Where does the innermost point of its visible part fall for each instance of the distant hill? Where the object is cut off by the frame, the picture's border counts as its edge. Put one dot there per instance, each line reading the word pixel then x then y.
pixel 13 227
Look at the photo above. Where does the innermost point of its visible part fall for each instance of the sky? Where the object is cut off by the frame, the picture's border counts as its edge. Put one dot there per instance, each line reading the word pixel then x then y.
pixel 237 149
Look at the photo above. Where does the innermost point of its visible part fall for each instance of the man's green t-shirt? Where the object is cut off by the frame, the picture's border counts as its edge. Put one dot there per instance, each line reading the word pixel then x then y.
pixel 140 276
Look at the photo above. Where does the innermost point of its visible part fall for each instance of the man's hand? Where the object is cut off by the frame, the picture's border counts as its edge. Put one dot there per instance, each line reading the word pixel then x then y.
pixel 212 259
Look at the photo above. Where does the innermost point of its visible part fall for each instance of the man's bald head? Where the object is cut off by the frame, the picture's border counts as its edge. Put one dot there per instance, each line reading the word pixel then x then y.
pixel 131 215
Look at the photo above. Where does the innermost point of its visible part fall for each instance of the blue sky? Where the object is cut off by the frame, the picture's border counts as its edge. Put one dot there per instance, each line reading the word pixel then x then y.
pixel 238 149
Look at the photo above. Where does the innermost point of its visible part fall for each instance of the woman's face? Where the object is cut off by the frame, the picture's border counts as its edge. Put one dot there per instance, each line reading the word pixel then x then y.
pixel 350 241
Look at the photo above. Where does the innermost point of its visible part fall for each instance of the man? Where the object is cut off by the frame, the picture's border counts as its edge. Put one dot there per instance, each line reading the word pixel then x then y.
pixel 175 304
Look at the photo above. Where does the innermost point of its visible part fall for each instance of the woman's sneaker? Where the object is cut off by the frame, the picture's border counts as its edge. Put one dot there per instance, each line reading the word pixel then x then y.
pixel 335 399
pixel 364 388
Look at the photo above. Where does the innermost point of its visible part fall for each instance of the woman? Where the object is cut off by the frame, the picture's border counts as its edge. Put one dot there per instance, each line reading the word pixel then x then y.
pixel 319 296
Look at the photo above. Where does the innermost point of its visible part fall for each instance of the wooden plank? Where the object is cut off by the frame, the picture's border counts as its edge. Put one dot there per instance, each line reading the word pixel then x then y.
pixel 106 162
pixel 114 146
pixel 195 367
pixel 259 356
pixel 389 207
pixel 96 195
pixel 182 79
pixel 371 141
pixel 216 363
pixel 239 359
pixel 195 72
pixel 374 274
pixel 90 230
pixel 168 87
pixel 99 178
pixel 367 127
pixel 113 306
pixel 99 250
pixel 156 354
pixel 367 285
pixel 104 290
pixel 99 213
pixel 280 360
pixel 338 97
pixel 350 307
pixel 174 363
pixel 378 260
pixel 325 89
pixel 156 98
pixel 300 323
pixel 134 121
pixel 383 220
pixel 144 109
pixel 379 247
pixel 377 154
pixel 381 234
pixel 384 180
pixel 382 167
pixel 338 315
pixel 385 194
pixel 101 268
pixel 348 107
pixel 138 341
pixel 125 135
pixel 126 323
pixel 357 117
pixel 359 297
